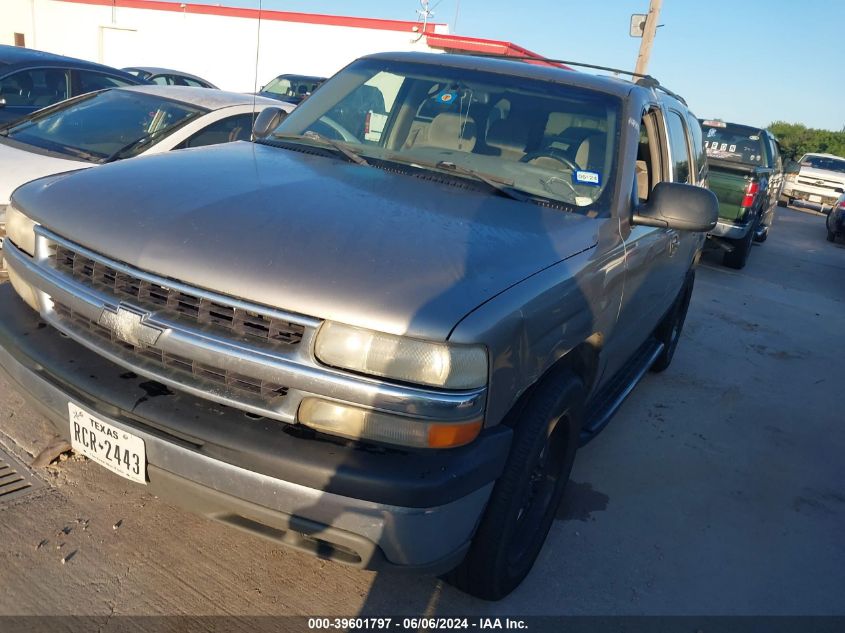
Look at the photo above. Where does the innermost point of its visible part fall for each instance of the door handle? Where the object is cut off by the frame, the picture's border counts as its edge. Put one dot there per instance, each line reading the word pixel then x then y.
pixel 674 242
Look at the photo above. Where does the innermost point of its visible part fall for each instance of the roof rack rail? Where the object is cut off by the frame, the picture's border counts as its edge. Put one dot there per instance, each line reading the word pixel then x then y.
pixel 647 81
pixel 651 82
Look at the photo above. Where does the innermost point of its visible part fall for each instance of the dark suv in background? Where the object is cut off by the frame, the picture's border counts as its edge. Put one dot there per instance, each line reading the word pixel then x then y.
pixel 31 80
pixel 747 175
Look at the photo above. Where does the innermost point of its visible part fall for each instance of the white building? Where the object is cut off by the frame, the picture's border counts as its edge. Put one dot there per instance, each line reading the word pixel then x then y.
pixel 218 43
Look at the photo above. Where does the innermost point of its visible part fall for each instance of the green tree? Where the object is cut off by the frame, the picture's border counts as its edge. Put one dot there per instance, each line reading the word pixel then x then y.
pixel 797 139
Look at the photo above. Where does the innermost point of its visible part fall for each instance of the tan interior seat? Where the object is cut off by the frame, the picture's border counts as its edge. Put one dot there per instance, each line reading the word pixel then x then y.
pixel 450 131
pixel 641 170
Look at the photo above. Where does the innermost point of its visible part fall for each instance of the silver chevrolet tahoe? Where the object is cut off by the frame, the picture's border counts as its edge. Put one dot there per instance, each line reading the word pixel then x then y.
pixel 379 333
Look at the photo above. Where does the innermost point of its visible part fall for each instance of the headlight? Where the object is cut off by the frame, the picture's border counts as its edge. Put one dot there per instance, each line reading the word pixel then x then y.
pixel 357 423
pixel 791 177
pixel 20 230
pixel 401 358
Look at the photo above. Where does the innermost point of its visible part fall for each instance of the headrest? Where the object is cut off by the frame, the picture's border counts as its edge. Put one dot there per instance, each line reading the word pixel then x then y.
pixel 451 131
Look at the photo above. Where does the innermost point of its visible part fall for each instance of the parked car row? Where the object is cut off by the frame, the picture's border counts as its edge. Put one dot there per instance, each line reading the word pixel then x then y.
pixel 31 80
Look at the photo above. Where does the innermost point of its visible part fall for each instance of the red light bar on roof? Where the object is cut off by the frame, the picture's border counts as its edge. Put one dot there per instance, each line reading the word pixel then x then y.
pixel 715 123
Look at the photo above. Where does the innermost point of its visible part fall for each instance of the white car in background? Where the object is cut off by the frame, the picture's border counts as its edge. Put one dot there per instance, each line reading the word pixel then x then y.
pixel 110 125
pixel 817 179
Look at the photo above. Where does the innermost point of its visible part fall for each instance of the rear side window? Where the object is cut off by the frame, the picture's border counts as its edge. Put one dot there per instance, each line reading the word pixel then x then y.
pixel 679 147
pixel 38 87
pixel 90 81
pixel 699 156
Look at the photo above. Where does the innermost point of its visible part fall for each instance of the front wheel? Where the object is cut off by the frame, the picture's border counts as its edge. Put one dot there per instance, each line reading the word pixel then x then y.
pixel 525 498
pixel 831 236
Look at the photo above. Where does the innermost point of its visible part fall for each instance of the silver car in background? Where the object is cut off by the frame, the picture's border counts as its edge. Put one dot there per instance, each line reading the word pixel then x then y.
pixel 115 124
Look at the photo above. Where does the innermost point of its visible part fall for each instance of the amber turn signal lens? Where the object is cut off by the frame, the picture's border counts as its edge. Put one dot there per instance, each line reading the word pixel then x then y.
pixel 451 435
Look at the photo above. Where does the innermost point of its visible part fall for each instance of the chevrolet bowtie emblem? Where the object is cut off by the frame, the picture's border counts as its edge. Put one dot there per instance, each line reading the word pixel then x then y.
pixel 129 326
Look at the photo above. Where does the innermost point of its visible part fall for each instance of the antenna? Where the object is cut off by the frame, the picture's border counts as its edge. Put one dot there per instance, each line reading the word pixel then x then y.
pixel 425 13
pixel 257 50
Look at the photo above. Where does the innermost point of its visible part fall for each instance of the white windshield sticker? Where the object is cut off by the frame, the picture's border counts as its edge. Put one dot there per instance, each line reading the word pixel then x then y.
pixel 374 126
pixel 591 178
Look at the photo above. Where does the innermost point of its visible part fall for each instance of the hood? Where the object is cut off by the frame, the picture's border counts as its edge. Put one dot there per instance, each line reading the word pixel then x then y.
pixel 309 234
pixel 18 166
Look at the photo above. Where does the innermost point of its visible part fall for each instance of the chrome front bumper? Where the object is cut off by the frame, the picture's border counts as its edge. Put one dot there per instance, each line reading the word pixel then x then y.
pixel 368 534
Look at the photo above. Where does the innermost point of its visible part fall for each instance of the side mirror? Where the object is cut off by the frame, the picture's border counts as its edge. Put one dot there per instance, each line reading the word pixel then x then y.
pixel 267 121
pixel 673 205
pixel 792 167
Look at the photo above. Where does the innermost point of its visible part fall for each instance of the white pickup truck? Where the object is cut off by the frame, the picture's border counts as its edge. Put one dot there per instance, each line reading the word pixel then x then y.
pixel 817 179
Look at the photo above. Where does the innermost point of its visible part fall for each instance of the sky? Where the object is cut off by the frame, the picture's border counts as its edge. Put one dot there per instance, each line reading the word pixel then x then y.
pixel 746 61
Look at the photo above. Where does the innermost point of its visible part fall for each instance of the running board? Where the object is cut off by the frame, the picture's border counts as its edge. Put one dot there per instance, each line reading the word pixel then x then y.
pixel 608 400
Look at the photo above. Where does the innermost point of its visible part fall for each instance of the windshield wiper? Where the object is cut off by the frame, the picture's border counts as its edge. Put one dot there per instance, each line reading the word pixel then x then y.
pixel 500 186
pixel 504 187
pixel 314 136
pixel 80 153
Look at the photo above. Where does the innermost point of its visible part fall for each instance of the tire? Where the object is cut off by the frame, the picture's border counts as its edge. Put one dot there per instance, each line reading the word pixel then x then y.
pixel 738 257
pixel 784 202
pixel 831 236
pixel 669 330
pixel 762 237
pixel 526 497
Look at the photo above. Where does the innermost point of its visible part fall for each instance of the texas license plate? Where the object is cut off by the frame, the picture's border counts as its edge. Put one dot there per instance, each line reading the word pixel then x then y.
pixel 113 448
pixel 815 198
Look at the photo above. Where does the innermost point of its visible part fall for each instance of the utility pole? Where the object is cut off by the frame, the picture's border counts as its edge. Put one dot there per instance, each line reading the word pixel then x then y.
pixel 648 36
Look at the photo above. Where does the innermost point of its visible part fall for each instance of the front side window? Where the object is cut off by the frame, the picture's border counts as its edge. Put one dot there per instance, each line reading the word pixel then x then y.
pixel 105 125
pixel 38 87
pixel 542 139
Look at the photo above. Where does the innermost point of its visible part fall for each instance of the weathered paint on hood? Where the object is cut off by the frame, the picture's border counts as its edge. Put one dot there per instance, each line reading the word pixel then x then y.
pixel 310 234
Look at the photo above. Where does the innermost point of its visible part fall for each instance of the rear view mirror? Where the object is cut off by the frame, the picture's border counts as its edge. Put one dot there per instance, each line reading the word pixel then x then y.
pixel 267 121
pixel 673 205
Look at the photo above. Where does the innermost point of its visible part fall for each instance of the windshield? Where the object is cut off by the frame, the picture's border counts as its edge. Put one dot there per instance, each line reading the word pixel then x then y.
pixel 734 143
pixel 100 125
pixel 548 140
pixel 291 86
pixel 828 163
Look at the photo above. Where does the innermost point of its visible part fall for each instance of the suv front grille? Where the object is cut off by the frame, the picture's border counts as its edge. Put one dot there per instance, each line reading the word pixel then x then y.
pixel 229 321
pixel 199 374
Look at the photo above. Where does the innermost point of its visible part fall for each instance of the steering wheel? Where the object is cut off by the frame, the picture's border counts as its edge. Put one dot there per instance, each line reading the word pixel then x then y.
pixel 554 154
pixel 335 130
